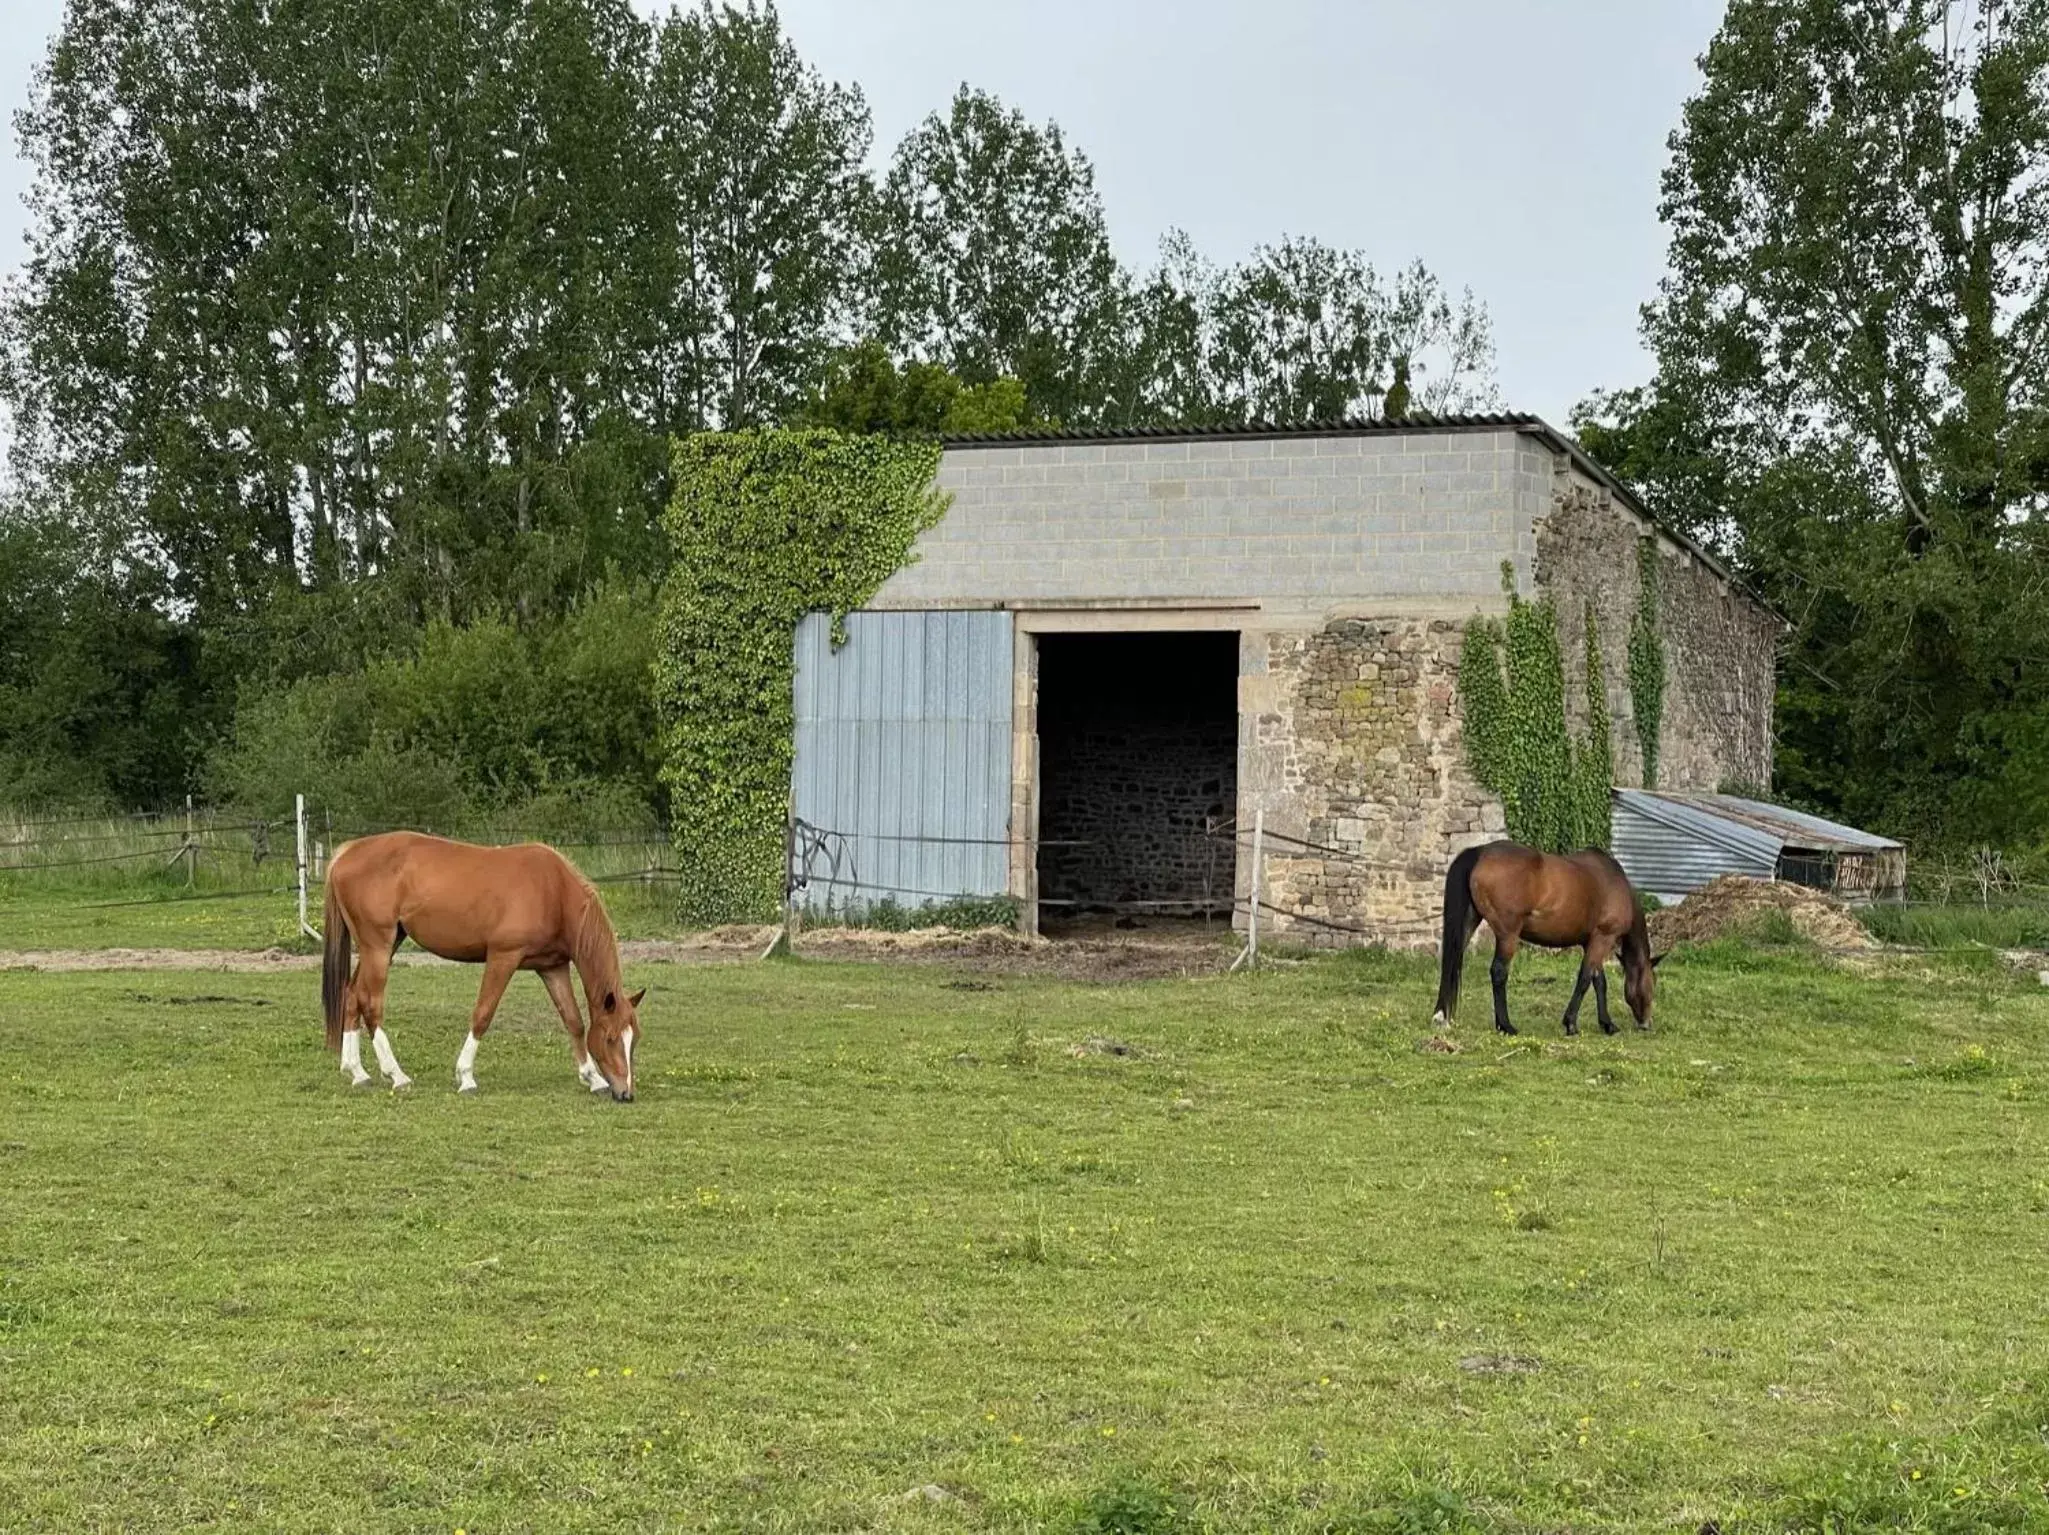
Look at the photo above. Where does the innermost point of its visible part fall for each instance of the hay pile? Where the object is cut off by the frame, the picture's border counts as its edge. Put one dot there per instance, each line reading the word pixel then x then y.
pixel 1733 905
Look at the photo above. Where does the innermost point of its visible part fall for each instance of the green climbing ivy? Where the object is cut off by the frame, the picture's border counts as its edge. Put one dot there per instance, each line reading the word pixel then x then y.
pixel 1647 662
pixel 766 526
pixel 1554 792
pixel 1593 759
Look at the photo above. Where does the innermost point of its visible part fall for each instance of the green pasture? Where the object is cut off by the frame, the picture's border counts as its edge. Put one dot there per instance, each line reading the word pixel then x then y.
pixel 902 1249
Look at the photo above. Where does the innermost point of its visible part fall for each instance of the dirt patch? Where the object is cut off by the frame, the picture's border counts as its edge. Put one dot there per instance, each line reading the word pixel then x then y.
pixel 990 951
pixel 722 945
pixel 1000 951
pixel 1734 904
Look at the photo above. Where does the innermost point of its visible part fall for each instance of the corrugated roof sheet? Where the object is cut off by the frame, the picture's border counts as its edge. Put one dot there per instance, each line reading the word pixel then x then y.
pixel 1795 828
pixel 1682 815
pixel 1344 426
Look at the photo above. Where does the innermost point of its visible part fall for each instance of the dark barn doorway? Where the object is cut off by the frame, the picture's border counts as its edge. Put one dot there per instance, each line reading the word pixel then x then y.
pixel 1138 758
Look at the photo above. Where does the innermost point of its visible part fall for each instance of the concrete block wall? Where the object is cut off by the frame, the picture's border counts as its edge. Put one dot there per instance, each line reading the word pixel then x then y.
pixel 1322 518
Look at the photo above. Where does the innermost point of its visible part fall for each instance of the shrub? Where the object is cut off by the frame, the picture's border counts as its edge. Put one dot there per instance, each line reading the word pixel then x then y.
pixel 469 723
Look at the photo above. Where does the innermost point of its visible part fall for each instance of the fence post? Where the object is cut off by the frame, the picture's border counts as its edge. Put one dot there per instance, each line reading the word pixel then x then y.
pixel 780 944
pixel 1250 957
pixel 191 847
pixel 299 816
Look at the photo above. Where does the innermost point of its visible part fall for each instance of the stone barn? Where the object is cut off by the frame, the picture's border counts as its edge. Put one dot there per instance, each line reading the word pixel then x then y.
pixel 1117 649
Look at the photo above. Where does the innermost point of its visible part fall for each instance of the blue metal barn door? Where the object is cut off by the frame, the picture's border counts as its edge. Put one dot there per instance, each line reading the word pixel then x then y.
pixel 902 778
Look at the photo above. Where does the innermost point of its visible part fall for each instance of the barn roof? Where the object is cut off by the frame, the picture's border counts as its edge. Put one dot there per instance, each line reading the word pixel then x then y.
pixel 1747 824
pixel 1419 423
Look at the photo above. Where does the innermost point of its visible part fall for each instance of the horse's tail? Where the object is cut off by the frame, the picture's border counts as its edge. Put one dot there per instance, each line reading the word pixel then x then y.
pixel 334 964
pixel 1458 929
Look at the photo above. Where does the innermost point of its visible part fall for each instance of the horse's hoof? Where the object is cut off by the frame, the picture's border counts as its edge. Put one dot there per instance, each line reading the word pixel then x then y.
pixel 400 1081
pixel 1608 1028
pixel 360 1079
pixel 1505 1028
pixel 466 1087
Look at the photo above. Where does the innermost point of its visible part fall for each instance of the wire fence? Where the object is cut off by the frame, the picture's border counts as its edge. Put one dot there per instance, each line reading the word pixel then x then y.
pixel 206 854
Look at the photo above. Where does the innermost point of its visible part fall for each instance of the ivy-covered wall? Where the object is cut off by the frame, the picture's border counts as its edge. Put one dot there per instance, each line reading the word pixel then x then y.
pixel 766 526
pixel 1554 786
pixel 1713 646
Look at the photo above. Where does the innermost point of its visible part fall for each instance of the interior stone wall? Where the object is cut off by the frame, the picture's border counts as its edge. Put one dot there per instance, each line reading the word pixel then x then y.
pixel 1137 760
pixel 1141 798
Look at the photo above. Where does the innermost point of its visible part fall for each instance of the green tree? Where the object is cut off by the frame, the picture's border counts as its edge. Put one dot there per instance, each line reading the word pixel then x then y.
pixel 1301 331
pixel 866 391
pixel 1853 391
pixel 341 296
pixel 766 219
pixel 993 258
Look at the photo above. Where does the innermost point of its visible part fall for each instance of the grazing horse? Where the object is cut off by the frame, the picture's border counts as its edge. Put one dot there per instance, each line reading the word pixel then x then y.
pixel 1582 900
pixel 506 908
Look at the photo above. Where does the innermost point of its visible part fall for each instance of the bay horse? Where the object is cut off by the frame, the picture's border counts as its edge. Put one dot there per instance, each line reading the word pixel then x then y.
pixel 506 908
pixel 1578 900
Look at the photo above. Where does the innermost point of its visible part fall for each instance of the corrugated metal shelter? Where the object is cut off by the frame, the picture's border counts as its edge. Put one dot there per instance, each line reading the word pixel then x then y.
pixel 1672 844
pixel 902 781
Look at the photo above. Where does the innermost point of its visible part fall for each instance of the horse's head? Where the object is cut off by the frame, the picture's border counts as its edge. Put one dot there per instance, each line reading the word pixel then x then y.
pixel 1640 982
pixel 614 1031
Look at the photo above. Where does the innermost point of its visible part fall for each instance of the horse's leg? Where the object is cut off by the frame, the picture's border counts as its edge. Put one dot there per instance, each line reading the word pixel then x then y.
pixel 499 967
pixel 564 996
pixel 1601 1002
pixel 352 1037
pixel 1579 990
pixel 1599 948
pixel 1504 951
pixel 373 970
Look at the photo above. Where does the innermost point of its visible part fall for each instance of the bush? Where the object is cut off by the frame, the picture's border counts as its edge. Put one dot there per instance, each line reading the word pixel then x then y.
pixel 556 721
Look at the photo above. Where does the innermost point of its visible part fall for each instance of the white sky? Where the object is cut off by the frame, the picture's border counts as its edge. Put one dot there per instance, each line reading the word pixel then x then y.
pixel 1513 145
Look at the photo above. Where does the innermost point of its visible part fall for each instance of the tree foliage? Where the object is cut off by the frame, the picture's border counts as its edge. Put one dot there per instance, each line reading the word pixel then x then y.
pixel 994 258
pixel 350 327
pixel 865 390
pixel 1301 331
pixel 1852 392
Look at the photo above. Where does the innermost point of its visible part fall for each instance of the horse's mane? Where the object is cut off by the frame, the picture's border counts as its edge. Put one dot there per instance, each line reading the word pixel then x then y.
pixel 596 947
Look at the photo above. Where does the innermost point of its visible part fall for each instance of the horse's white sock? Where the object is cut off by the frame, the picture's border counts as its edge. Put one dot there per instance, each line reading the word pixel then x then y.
pixel 466 1067
pixel 352 1057
pixel 593 1078
pixel 387 1062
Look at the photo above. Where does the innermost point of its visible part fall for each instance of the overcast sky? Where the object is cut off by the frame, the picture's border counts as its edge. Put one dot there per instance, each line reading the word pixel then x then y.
pixel 1514 146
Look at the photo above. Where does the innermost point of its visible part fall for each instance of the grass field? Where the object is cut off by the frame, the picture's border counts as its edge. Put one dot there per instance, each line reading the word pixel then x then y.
pixel 870 1231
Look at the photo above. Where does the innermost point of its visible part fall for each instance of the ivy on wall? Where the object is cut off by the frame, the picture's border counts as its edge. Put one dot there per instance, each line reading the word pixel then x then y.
pixel 1554 792
pixel 1647 662
pixel 1593 760
pixel 766 526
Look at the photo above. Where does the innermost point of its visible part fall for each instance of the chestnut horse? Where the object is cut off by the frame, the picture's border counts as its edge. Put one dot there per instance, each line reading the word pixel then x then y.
pixel 1582 900
pixel 506 908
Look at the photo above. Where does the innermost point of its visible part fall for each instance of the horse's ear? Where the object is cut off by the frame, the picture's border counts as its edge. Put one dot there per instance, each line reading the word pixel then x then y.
pixel 611 1002
pixel 634 1000
pixel 1658 959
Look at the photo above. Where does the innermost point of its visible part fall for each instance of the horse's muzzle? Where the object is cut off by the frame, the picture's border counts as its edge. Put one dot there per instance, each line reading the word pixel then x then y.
pixel 619 1097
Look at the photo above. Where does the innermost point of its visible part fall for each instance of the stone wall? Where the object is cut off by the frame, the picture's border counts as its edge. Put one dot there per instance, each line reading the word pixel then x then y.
pixel 1141 797
pixel 1720 644
pixel 1352 742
